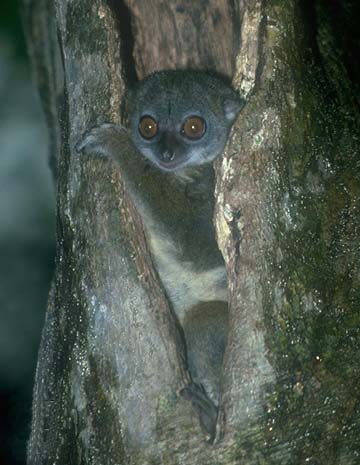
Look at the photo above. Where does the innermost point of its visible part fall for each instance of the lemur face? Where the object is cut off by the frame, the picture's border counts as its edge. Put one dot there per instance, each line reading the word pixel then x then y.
pixel 179 121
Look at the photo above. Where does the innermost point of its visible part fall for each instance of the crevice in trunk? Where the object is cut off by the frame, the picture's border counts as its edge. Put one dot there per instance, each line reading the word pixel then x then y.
pixel 124 24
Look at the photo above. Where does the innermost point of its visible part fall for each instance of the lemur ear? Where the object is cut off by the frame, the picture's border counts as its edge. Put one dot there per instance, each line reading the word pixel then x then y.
pixel 232 107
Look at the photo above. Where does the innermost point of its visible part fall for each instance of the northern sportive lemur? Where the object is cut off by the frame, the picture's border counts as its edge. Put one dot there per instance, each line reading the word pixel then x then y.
pixel 179 121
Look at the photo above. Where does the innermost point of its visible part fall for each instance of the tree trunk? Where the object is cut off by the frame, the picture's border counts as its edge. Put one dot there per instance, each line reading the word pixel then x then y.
pixel 112 357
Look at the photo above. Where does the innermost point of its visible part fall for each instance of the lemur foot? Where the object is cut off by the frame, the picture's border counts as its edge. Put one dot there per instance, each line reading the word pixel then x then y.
pixel 205 408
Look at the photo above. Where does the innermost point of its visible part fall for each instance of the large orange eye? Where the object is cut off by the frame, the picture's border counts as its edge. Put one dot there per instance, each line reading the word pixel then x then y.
pixel 194 127
pixel 148 127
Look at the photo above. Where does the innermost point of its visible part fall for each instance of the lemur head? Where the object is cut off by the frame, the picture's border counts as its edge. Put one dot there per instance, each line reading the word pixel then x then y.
pixel 182 118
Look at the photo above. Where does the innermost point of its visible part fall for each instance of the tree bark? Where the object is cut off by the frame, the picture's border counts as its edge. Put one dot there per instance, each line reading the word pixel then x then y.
pixel 112 358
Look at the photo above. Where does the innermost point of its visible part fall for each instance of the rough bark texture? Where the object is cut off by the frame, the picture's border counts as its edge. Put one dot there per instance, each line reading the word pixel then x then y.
pixel 288 198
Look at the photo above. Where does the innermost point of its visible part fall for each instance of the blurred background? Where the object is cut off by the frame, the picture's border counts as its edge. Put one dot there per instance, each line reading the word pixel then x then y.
pixel 27 237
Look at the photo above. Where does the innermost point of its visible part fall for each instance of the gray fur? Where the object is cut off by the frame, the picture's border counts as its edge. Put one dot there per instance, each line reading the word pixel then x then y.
pixel 176 204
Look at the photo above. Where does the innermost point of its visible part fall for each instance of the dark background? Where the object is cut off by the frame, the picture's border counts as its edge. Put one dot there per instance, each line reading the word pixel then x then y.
pixel 27 237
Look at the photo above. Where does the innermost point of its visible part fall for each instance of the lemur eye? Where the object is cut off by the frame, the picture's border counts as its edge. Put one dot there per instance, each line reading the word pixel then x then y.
pixel 194 127
pixel 148 127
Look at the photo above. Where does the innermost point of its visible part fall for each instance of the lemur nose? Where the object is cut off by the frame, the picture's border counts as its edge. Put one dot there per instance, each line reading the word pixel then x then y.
pixel 167 155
